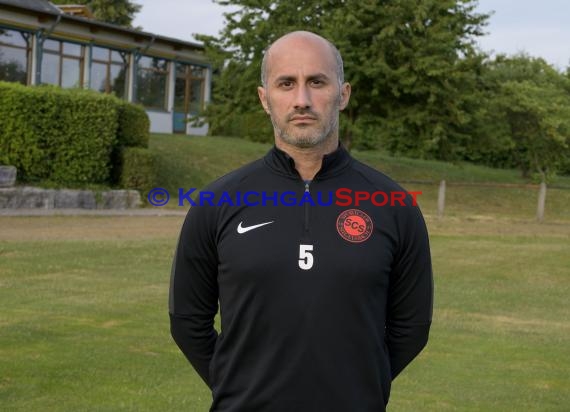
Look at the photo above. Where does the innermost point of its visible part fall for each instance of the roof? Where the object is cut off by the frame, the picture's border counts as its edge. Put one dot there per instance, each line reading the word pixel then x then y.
pixel 77 10
pixel 36 5
pixel 45 7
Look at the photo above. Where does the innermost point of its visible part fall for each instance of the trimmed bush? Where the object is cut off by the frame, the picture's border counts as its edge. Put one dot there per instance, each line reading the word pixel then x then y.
pixel 23 140
pixel 137 169
pixel 88 124
pixel 134 125
pixel 65 136
pixel 133 131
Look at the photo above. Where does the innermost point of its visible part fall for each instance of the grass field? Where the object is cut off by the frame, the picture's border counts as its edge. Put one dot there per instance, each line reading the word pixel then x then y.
pixel 84 326
pixel 83 300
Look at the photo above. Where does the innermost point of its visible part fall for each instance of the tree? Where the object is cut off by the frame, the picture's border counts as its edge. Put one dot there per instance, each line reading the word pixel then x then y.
pixel 412 65
pixel 528 108
pixel 409 62
pixel 119 12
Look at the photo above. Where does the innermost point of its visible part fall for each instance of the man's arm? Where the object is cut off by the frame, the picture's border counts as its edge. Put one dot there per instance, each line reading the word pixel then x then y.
pixel 410 299
pixel 193 301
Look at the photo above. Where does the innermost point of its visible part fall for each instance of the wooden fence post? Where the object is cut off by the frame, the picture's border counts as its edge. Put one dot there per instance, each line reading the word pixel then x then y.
pixel 541 202
pixel 441 199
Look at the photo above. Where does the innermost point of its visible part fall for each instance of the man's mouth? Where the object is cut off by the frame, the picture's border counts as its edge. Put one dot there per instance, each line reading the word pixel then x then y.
pixel 302 118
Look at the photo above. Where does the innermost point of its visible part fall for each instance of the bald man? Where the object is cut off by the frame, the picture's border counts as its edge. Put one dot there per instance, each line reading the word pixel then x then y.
pixel 323 300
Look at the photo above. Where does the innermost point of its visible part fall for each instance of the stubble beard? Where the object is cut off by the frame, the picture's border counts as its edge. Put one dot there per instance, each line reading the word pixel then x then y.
pixel 305 139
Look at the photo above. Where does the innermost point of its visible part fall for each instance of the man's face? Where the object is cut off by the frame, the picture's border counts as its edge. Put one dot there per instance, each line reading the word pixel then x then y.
pixel 302 93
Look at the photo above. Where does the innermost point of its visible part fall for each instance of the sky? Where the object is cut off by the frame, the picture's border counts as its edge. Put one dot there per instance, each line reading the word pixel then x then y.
pixel 540 28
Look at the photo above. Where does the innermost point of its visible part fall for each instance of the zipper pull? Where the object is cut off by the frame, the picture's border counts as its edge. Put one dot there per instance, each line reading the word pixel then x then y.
pixel 307 186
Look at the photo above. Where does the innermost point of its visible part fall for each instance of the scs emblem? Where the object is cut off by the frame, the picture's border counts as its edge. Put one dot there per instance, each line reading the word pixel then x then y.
pixel 354 225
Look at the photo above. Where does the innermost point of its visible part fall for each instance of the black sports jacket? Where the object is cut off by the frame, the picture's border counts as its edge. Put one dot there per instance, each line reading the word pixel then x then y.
pixel 321 306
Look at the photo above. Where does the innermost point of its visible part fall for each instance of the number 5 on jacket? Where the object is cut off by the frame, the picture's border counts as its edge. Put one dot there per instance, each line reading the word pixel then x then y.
pixel 306 259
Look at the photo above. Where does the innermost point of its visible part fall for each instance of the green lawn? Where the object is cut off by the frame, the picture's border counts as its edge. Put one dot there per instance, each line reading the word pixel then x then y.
pixel 196 159
pixel 83 300
pixel 84 325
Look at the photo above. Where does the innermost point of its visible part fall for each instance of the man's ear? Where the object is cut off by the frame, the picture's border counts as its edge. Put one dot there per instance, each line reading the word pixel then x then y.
pixel 263 98
pixel 344 96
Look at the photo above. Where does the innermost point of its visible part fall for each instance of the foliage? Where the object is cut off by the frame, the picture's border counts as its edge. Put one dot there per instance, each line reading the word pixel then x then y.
pixel 133 130
pixel 65 136
pixel 134 125
pixel 119 12
pixel 21 134
pixel 409 61
pixel 527 112
pixel 137 169
pixel 410 64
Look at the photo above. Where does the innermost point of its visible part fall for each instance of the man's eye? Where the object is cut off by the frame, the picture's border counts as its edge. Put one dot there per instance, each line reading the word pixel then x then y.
pixel 286 84
pixel 317 83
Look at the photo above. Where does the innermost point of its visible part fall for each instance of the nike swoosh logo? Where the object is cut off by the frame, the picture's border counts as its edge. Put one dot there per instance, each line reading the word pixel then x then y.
pixel 242 229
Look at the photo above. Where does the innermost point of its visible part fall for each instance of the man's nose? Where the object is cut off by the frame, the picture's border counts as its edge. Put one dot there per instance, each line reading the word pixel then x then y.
pixel 302 97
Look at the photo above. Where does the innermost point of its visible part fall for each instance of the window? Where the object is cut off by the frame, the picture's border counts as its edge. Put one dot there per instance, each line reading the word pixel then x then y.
pixel 152 82
pixel 14 56
pixel 62 63
pixel 109 70
pixel 189 89
pixel 196 89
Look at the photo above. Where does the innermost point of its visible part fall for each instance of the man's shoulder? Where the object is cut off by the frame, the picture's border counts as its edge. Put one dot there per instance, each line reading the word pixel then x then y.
pixel 375 177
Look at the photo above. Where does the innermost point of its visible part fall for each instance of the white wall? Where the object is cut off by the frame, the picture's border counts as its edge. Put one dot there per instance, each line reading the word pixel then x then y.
pixel 160 122
pixel 197 131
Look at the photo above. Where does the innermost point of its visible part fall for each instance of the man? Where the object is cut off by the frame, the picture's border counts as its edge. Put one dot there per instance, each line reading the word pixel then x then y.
pixel 321 306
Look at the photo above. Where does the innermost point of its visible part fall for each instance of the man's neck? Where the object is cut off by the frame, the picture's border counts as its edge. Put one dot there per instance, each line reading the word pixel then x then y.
pixel 308 161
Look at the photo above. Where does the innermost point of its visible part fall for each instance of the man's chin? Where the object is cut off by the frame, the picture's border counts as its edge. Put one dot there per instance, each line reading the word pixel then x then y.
pixel 303 141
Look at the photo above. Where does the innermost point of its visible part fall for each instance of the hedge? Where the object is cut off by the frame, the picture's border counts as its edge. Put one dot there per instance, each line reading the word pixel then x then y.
pixel 134 125
pixel 23 142
pixel 66 136
pixel 137 169
pixel 133 131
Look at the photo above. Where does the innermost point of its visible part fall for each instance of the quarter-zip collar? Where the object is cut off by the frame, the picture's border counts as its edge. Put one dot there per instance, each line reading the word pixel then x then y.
pixel 283 164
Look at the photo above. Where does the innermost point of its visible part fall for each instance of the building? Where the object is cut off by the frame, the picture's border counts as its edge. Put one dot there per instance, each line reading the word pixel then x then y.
pixel 40 43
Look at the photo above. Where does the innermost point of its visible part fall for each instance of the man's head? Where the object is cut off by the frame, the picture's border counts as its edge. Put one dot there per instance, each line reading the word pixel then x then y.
pixel 303 89
pixel 333 49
